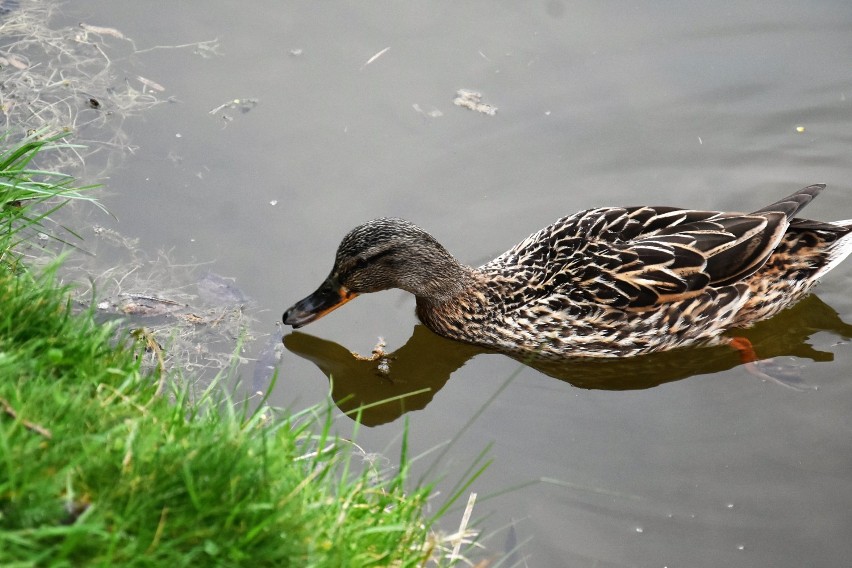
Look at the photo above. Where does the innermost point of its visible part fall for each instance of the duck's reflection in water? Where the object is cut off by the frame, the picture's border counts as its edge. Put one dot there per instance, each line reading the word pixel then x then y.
pixel 408 378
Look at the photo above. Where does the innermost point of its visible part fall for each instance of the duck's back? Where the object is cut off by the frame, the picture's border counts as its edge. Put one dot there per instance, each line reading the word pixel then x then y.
pixel 623 281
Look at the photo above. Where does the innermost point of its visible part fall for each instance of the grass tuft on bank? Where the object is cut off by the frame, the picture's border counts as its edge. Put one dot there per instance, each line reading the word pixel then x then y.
pixel 98 466
pixel 26 190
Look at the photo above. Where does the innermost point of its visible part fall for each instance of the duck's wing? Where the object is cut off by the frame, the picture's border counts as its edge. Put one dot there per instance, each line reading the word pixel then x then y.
pixel 640 257
pixel 681 261
pixel 678 254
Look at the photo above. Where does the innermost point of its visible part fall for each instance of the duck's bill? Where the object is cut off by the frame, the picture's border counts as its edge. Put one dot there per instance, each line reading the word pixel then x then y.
pixel 327 298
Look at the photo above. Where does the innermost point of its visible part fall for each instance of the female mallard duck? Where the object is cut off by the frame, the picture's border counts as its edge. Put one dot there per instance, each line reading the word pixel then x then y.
pixel 606 282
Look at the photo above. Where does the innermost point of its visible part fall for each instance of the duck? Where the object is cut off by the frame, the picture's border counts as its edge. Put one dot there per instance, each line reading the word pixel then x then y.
pixel 602 283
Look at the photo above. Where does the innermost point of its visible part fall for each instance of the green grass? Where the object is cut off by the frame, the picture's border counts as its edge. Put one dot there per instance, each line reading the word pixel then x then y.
pixel 25 189
pixel 98 466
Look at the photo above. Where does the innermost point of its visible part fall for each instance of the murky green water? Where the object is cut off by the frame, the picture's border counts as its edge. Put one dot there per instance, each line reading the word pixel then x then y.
pixel 683 460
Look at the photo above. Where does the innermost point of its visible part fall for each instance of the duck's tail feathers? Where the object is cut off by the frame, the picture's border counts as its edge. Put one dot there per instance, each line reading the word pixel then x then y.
pixel 839 249
pixel 792 204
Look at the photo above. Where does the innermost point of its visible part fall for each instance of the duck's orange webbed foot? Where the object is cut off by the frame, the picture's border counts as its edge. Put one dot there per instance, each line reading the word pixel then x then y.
pixel 786 375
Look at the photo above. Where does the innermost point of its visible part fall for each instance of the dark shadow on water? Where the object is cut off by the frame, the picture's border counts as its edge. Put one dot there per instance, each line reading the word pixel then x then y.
pixel 426 362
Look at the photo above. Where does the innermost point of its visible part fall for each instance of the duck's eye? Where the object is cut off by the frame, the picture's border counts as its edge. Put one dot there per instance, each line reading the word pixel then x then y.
pixel 361 263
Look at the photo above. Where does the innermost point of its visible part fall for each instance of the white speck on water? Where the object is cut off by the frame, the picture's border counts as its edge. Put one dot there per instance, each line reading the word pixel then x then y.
pixel 473 100
pixel 384 366
pixel 740 547
pixel 376 56
pixel 434 113
pixel 700 141
pixel 296 52
pixel 640 530
pixel 274 202
pixel 730 505
pixel 178 135
pixel 800 129
pixel 547 113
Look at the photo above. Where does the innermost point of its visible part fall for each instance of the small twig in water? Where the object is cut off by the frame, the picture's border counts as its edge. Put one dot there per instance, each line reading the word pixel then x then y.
pixel 103 31
pixel 208 46
pixel 373 58
pixel 463 534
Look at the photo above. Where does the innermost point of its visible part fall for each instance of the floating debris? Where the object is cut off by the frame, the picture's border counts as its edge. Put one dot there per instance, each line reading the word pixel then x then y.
pixel 244 105
pixel 16 62
pixel 192 318
pixel 373 58
pixel 800 129
pixel 434 113
pixel 197 330
pixel 382 357
pixel 102 31
pixel 144 305
pixel 473 101
pixel 150 84
pixel 53 78
pixel 296 52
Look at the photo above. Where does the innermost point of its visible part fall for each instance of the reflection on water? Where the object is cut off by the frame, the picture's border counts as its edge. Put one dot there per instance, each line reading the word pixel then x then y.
pixel 408 378
pixel 411 375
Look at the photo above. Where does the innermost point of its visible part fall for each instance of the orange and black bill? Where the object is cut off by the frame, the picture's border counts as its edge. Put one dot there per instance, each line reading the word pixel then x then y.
pixel 330 296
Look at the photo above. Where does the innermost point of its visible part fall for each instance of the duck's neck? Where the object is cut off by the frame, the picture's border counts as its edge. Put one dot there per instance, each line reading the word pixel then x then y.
pixel 447 283
pixel 459 307
pixel 427 270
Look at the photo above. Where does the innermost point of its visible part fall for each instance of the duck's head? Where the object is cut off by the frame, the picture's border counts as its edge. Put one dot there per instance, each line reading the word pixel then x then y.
pixel 379 255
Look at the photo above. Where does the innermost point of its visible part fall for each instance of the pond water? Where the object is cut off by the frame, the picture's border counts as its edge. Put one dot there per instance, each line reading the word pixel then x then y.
pixel 346 113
